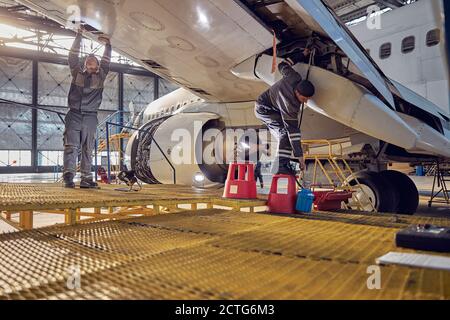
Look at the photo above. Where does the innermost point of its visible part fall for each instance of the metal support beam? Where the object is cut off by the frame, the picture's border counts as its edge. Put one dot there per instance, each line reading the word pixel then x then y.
pixel 121 109
pixel 156 88
pixel 61 59
pixel 34 117
pixel 447 33
pixel 391 3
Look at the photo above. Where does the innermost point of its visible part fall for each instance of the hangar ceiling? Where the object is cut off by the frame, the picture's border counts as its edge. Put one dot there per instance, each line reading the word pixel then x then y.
pixel 349 10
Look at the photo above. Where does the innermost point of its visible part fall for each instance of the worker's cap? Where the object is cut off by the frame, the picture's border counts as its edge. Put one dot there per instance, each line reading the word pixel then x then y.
pixel 306 88
pixel 91 57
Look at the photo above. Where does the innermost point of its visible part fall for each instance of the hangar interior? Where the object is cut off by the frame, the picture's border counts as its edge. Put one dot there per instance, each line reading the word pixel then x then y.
pixel 34 73
pixel 175 238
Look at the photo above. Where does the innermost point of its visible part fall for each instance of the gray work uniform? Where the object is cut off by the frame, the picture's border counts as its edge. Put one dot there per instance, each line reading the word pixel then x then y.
pixel 85 98
pixel 278 108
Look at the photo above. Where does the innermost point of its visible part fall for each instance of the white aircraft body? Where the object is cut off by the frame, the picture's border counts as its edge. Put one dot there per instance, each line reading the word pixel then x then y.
pixel 388 106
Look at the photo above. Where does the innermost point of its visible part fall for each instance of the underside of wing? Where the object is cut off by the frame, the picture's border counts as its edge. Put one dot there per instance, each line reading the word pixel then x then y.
pixel 193 43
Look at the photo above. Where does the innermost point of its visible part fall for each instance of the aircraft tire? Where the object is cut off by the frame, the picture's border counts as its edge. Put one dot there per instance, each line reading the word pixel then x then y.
pixel 406 190
pixel 381 193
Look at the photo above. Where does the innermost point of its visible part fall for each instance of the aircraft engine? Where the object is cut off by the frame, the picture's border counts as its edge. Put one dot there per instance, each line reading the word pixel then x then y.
pixel 173 149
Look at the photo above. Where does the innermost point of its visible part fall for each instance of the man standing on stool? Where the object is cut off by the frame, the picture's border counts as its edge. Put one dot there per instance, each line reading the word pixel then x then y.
pixel 85 98
pixel 279 109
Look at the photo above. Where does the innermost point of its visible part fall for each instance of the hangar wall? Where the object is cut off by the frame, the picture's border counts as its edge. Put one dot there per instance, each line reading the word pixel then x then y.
pixel 30 138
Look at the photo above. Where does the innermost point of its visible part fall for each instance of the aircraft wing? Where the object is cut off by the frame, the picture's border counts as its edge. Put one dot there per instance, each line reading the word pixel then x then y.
pixel 193 43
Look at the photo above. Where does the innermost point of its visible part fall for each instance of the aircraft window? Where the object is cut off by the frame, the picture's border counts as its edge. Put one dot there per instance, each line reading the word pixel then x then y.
pixel 385 50
pixel 433 37
pixel 408 44
pixel 172 109
pixel 368 51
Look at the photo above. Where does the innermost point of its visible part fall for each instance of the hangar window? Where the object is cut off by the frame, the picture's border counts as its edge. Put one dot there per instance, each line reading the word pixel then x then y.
pixel 385 50
pixel 408 44
pixel 50 158
pixel 433 37
pixel 15 158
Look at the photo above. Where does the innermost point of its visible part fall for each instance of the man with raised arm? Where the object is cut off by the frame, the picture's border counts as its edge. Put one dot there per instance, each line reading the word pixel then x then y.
pixel 85 98
pixel 279 108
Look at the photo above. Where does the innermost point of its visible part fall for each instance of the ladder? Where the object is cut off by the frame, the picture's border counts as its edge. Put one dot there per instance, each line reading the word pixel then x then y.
pixel 340 172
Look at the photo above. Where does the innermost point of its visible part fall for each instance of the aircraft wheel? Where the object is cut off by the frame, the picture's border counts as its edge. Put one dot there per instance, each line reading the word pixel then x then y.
pixel 375 192
pixel 406 190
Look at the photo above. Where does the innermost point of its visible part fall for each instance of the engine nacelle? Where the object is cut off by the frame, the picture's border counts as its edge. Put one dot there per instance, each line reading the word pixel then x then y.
pixel 170 149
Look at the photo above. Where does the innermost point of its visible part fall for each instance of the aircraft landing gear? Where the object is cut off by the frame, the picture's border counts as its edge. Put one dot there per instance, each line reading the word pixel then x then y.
pixel 389 191
pixel 408 195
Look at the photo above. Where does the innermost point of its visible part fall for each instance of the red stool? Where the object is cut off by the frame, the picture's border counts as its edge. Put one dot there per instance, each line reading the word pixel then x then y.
pixel 282 203
pixel 242 187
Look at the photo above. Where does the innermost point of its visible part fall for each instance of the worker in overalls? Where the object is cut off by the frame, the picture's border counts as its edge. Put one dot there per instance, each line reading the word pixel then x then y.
pixel 85 98
pixel 279 109
pixel 258 174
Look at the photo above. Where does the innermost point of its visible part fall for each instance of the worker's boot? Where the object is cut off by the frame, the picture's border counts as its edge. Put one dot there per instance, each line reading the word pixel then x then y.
pixel 68 180
pixel 88 184
pixel 287 169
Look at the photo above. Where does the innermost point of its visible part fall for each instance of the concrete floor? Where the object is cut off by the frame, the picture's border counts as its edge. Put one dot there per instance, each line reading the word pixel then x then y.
pixel 424 185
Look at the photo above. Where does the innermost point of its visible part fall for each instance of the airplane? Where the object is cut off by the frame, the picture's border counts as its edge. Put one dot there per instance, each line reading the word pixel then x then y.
pixel 221 53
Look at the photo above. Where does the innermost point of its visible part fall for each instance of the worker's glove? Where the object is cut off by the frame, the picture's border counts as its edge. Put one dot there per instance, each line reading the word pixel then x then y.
pixel 302 164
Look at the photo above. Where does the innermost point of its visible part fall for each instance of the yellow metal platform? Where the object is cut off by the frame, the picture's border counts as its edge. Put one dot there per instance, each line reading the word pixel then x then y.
pixel 215 254
pixel 106 203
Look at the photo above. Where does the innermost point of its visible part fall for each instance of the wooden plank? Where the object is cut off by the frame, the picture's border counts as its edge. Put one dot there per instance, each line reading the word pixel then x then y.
pixel 26 220
pixel 71 217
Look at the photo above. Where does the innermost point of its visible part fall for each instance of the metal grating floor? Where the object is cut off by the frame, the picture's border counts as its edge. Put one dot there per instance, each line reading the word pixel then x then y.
pixel 215 254
pixel 22 197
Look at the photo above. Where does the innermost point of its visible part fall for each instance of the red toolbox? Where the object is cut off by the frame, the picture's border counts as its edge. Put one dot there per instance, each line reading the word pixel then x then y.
pixel 330 200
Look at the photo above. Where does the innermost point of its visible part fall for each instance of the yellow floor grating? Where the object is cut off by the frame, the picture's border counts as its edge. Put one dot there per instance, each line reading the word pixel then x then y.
pixel 78 204
pixel 213 254
pixel 17 197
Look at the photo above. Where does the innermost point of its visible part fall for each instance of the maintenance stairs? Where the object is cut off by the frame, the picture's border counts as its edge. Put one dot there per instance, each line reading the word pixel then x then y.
pixel 328 159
